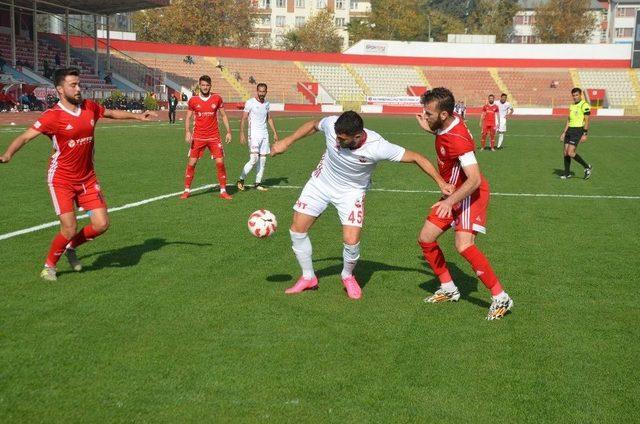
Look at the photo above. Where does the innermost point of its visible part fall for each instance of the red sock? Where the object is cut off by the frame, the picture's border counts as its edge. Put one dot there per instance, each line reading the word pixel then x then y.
pixel 188 176
pixel 435 258
pixel 58 245
pixel 482 268
pixel 222 176
pixel 86 234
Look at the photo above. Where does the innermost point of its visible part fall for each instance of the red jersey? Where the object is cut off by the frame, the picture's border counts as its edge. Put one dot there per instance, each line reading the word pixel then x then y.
pixel 72 136
pixel 452 143
pixel 490 112
pixel 205 110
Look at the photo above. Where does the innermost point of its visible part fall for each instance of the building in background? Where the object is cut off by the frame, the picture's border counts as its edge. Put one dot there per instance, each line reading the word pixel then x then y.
pixel 274 18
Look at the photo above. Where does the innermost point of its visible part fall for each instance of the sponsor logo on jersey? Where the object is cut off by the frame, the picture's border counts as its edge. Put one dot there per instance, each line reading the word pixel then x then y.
pixel 79 142
pixel 69 127
pixel 37 124
pixel 442 150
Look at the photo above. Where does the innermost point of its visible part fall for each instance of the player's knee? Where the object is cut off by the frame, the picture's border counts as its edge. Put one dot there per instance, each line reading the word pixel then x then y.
pixel 351 239
pixel 101 226
pixel 462 245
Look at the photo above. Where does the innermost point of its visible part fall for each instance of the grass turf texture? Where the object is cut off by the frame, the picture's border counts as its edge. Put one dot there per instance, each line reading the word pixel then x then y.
pixel 180 315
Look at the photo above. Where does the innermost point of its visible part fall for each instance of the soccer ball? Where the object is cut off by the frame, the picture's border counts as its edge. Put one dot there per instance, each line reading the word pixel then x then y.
pixel 262 223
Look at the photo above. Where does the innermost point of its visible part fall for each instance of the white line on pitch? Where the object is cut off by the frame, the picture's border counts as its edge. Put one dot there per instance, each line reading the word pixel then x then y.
pixel 384 190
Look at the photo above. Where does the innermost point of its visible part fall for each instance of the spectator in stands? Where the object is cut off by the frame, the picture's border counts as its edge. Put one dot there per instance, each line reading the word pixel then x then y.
pixel 24 101
pixel 252 80
pixel 108 78
pixel 57 59
pixel 2 63
pixel 173 104
pixel 47 70
pixel 554 84
pixel 184 97
pixel 220 65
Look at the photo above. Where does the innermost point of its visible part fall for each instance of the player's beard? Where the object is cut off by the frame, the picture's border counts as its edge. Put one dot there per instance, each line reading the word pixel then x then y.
pixel 205 94
pixel 74 100
pixel 261 98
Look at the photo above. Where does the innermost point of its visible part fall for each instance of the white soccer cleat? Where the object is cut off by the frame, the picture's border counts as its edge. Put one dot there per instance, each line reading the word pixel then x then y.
pixel 75 263
pixel 48 274
pixel 499 308
pixel 441 296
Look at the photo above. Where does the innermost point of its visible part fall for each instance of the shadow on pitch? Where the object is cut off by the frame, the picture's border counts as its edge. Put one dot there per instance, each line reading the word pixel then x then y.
pixel 129 255
pixel 560 172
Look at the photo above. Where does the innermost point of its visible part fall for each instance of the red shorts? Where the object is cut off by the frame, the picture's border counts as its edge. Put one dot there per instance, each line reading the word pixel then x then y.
pixel 470 215
pixel 488 129
pixel 198 146
pixel 86 195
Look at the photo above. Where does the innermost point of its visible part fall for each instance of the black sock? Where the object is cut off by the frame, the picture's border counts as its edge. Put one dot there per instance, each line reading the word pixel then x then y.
pixel 581 161
pixel 567 164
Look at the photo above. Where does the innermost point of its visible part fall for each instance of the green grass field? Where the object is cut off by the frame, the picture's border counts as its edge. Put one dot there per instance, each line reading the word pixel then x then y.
pixel 180 314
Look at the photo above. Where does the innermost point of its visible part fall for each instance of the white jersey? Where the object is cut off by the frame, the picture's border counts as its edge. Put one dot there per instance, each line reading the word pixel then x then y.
pixel 503 109
pixel 258 113
pixel 346 169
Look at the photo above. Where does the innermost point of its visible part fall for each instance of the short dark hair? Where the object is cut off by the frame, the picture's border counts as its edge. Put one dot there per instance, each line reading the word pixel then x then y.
pixel 576 90
pixel 443 98
pixel 349 123
pixel 261 85
pixel 60 74
pixel 205 78
pixel 491 95
pixel 503 94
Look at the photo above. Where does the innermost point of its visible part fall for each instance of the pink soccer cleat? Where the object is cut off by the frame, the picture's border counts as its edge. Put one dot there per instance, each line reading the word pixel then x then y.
pixel 352 287
pixel 303 284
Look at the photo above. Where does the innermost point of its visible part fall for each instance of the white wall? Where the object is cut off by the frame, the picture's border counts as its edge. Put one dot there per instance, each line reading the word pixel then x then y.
pixel 492 51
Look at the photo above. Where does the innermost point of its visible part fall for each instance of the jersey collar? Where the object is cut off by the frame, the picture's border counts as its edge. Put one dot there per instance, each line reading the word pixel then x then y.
pixel 69 111
pixel 455 122
pixel 204 99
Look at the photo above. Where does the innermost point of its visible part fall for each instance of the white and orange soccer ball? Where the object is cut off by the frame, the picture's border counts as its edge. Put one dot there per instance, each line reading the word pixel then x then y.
pixel 262 223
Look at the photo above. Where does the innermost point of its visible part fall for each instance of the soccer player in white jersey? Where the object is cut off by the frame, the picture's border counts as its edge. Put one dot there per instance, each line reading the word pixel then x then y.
pixel 341 179
pixel 504 109
pixel 256 109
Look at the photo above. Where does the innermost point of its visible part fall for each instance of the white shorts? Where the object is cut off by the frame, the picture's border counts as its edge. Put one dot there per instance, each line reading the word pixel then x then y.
pixel 259 144
pixel 316 196
pixel 503 125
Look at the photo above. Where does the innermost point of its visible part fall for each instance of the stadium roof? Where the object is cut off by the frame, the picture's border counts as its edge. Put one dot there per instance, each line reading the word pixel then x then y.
pixel 95 7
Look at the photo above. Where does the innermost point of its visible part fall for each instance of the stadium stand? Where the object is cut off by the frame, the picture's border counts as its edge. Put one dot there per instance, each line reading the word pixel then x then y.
pixel 472 85
pixel 387 80
pixel 538 87
pixel 618 86
pixel 337 81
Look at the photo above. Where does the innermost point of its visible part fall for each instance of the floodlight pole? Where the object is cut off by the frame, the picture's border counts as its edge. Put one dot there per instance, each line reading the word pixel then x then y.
pixel 35 36
pixel 95 42
pixel 108 47
pixel 66 29
pixel 12 17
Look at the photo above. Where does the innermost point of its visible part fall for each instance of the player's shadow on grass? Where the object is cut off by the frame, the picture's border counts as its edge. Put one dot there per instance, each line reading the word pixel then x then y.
pixel 130 255
pixel 275 181
pixel 560 172
pixel 466 285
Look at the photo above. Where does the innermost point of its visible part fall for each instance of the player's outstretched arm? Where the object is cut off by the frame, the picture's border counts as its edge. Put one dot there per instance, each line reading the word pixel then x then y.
pixel 306 129
pixel 243 120
pixel 225 121
pixel 273 128
pixel 18 143
pixel 426 166
pixel 123 114
pixel 473 181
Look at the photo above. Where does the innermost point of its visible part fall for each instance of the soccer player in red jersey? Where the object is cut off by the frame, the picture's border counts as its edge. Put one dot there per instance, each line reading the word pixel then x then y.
pixel 489 123
pixel 72 180
pixel 205 107
pixel 465 210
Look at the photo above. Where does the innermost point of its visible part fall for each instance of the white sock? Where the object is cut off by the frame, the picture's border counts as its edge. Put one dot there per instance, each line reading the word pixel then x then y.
pixel 449 287
pixel 350 256
pixel 501 296
pixel 260 170
pixel 500 139
pixel 301 245
pixel 253 159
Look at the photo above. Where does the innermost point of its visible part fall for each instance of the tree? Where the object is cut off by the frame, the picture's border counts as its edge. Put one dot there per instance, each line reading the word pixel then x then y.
pixel 494 17
pixel 567 21
pixel 460 9
pixel 442 25
pixel 397 20
pixel 318 34
pixel 199 22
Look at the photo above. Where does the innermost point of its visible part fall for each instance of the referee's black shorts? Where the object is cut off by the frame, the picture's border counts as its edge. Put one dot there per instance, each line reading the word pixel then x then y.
pixel 573 135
